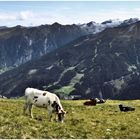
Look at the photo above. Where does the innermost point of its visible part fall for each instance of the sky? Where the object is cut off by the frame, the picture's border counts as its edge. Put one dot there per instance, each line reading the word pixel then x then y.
pixel 35 13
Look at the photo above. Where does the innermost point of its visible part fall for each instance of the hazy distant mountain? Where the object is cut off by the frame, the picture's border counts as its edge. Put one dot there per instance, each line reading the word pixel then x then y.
pixel 103 65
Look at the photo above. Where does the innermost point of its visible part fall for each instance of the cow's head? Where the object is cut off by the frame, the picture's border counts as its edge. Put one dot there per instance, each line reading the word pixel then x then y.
pixel 60 112
pixel 61 115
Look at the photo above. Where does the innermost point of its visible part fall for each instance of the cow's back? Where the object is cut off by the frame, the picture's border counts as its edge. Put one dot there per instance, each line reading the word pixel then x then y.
pixel 33 91
pixel 30 93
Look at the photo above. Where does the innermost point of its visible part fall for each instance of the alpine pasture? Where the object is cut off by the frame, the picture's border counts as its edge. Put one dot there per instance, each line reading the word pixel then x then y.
pixel 101 121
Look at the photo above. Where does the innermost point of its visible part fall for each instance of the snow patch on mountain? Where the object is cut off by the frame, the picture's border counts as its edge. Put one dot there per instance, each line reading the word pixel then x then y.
pixel 30 42
pixel 32 71
pixel 94 28
pixel 45 45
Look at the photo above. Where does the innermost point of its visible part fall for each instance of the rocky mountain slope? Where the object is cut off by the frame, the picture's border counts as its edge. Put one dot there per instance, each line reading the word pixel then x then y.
pixel 21 44
pixel 105 65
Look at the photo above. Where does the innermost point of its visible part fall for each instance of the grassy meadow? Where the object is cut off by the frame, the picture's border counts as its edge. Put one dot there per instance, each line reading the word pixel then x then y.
pixel 101 122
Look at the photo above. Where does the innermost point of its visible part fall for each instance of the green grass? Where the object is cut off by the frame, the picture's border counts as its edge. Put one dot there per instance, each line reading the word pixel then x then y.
pixel 101 121
pixel 65 90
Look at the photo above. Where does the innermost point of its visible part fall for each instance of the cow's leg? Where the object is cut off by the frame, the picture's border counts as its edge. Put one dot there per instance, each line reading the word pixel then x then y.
pixel 25 107
pixel 50 115
pixel 30 110
pixel 56 118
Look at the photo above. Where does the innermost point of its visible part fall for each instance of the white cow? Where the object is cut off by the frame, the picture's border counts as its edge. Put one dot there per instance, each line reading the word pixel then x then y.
pixel 43 99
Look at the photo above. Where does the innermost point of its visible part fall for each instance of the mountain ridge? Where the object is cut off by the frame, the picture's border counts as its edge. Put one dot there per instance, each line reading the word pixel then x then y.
pixel 101 65
pixel 20 44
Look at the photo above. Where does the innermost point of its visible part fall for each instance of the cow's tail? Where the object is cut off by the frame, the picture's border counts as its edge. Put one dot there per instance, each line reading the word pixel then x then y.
pixel 26 94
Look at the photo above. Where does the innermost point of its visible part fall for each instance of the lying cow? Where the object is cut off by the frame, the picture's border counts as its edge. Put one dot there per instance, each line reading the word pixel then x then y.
pixel 44 99
pixel 100 101
pixel 126 108
pixel 92 102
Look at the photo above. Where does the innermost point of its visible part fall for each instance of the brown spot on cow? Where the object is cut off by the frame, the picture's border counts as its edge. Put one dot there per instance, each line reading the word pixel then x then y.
pixel 44 94
pixel 35 97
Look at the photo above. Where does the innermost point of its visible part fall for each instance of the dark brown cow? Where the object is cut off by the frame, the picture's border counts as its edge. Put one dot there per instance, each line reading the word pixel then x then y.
pixel 92 102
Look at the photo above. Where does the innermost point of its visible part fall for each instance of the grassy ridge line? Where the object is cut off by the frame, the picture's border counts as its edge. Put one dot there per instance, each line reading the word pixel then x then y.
pixel 101 121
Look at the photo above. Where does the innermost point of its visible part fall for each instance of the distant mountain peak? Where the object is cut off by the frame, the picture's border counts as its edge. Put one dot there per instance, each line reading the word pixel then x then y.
pixel 111 21
pixel 91 23
pixel 129 21
pixel 93 27
pixel 56 24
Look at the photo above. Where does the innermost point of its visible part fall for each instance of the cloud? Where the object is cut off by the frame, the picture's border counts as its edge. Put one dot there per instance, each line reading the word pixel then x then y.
pixel 7 16
pixel 102 15
pixel 27 18
pixel 25 15
pixel 35 18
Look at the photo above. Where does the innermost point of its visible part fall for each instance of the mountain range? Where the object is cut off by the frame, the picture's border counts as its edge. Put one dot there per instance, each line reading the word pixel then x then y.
pixel 104 65
pixel 20 44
